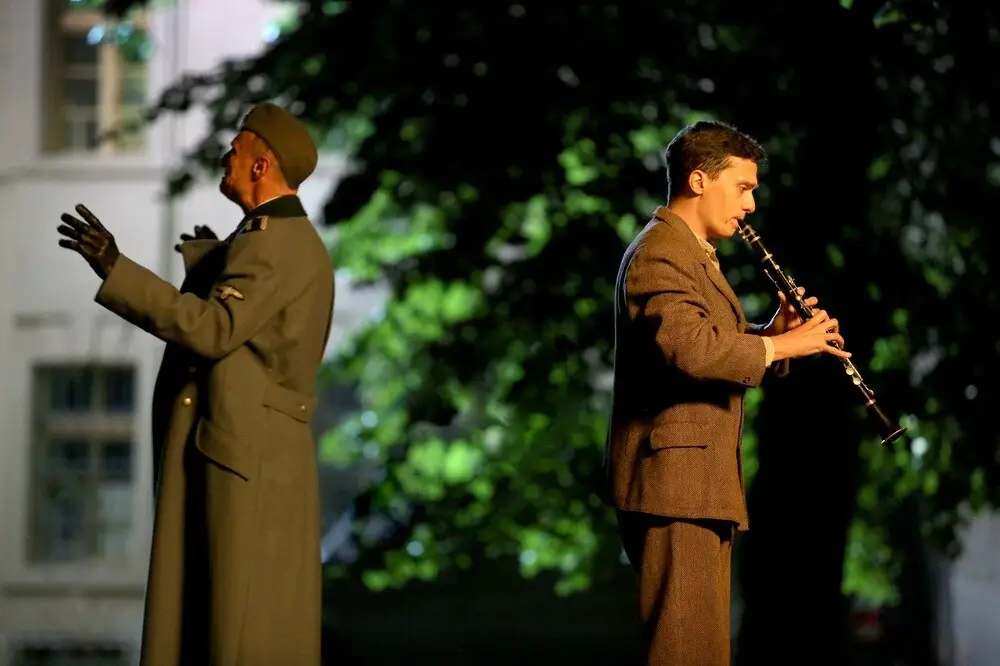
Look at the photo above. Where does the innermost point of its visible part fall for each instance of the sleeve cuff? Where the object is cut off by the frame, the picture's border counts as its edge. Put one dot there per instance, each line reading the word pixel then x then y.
pixel 107 294
pixel 122 289
pixel 768 351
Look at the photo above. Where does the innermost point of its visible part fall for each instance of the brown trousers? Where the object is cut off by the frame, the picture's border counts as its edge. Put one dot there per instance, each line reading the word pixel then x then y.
pixel 683 569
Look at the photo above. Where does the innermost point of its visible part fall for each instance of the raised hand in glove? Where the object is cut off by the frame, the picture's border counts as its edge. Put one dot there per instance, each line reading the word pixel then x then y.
pixel 90 239
pixel 200 233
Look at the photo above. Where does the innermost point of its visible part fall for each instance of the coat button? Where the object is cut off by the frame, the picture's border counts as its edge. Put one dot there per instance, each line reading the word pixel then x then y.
pixel 302 408
pixel 187 402
pixel 192 370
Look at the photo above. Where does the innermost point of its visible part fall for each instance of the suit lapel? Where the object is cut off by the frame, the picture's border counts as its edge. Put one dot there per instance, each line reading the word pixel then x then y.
pixel 717 279
pixel 720 283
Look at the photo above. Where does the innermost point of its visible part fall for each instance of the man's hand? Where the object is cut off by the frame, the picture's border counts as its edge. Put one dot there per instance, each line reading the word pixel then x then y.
pixel 811 337
pixel 200 233
pixel 90 239
pixel 786 318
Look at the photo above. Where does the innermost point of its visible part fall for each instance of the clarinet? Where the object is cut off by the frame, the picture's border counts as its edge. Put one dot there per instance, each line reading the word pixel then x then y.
pixel 889 429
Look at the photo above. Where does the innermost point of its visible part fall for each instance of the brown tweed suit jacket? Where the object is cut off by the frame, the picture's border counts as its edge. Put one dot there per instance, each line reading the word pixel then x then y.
pixel 684 357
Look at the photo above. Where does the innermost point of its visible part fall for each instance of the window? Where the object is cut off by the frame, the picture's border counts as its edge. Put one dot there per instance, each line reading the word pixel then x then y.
pixel 96 79
pixel 82 480
pixel 70 655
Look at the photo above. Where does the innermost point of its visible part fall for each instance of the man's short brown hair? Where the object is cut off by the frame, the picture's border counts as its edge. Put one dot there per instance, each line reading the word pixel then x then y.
pixel 707 146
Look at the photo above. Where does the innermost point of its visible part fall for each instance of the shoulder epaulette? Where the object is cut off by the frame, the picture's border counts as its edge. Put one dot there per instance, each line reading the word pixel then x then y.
pixel 256 224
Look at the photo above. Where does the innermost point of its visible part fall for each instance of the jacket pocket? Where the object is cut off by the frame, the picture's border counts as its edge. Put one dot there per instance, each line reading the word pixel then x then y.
pixel 678 435
pixel 224 450
pixel 292 404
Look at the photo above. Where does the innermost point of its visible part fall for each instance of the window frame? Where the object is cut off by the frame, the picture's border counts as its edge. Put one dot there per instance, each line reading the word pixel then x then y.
pixel 116 652
pixel 111 73
pixel 95 427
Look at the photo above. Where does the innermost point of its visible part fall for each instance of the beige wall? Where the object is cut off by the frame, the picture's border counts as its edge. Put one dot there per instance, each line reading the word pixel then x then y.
pixel 46 305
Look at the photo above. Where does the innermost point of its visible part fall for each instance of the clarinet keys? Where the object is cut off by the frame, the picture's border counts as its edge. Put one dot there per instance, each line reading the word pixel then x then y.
pixel 887 428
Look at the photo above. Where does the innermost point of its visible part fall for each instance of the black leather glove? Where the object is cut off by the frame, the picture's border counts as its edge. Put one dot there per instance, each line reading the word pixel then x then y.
pixel 200 233
pixel 90 239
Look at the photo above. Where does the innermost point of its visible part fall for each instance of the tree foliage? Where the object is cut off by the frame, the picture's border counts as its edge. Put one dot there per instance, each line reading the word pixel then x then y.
pixel 504 155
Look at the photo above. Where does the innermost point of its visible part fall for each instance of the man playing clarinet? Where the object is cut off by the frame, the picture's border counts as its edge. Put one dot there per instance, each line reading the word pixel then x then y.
pixel 685 355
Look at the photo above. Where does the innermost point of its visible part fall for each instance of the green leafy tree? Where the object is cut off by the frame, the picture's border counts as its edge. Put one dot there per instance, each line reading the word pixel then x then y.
pixel 503 158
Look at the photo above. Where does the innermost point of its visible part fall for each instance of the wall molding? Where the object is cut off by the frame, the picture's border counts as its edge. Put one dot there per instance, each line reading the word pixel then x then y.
pixel 53 590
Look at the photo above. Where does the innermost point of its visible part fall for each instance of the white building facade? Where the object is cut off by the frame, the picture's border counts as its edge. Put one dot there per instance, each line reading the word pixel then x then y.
pixel 75 460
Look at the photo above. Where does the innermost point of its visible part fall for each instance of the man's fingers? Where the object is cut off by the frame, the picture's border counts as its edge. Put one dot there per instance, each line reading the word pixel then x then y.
pixel 83 250
pixel 818 318
pixel 812 300
pixel 800 292
pixel 835 337
pixel 822 319
pixel 91 219
pixel 71 221
pixel 68 232
pixel 839 353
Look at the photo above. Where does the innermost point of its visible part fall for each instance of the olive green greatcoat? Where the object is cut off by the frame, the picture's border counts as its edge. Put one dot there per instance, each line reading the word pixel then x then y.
pixel 235 572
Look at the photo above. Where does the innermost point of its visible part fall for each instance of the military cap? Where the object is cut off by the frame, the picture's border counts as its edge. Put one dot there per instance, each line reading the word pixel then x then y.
pixel 287 138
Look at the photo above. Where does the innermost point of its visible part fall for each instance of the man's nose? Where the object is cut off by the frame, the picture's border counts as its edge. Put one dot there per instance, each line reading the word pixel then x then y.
pixel 750 205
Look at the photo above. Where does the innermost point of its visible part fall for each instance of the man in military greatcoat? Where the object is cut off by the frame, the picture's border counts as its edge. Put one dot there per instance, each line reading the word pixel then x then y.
pixel 234 577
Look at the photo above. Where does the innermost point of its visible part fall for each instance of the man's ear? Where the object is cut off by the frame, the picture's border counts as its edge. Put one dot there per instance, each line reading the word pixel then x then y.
pixel 260 167
pixel 697 181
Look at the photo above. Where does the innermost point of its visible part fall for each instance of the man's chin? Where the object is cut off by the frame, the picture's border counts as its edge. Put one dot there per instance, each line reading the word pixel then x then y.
pixel 227 191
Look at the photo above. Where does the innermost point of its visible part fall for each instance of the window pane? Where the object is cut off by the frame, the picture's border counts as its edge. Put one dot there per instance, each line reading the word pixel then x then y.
pixel 119 389
pixel 133 89
pixel 68 460
pixel 114 516
pixel 62 513
pixel 79 135
pixel 80 91
pixel 62 524
pixel 116 461
pixel 114 500
pixel 91 135
pixel 77 51
pixel 133 139
pixel 71 389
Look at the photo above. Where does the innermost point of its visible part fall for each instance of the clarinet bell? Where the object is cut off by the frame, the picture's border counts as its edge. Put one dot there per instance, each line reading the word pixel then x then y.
pixel 889 430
